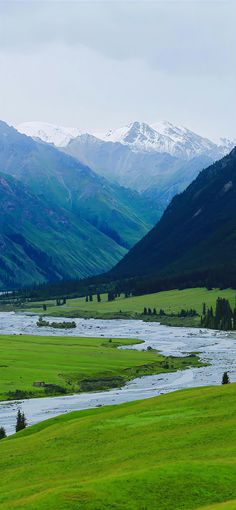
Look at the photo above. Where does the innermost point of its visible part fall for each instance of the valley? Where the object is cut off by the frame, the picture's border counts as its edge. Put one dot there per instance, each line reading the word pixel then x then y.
pixel 117 255
pixel 55 211
pixel 84 359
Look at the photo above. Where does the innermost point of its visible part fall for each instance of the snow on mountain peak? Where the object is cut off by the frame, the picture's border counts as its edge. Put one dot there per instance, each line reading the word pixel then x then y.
pixel 49 133
pixel 163 137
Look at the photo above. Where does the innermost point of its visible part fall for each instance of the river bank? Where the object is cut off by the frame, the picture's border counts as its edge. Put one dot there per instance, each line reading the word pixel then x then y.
pixel 171 308
pixel 218 349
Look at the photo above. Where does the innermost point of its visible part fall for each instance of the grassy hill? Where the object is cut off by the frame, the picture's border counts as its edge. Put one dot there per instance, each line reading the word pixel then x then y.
pixel 175 452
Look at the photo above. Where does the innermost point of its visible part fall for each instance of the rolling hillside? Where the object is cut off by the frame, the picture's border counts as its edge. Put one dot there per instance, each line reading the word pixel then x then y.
pixel 175 451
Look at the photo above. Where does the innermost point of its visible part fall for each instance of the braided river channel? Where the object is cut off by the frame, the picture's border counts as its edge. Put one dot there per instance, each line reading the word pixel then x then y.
pixel 216 347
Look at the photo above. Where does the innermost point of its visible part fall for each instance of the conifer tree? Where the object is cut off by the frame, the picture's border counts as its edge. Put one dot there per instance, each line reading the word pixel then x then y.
pixel 225 378
pixel 2 433
pixel 20 421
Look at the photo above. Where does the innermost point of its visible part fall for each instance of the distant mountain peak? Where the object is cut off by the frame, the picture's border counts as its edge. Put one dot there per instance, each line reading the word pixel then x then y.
pixel 159 137
pixel 49 133
pixel 165 137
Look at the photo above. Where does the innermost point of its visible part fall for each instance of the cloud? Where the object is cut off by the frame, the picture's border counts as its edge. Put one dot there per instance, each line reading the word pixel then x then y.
pixel 98 64
pixel 175 37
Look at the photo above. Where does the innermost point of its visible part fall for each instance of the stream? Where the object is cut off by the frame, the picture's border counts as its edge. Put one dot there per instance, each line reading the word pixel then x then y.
pixel 216 347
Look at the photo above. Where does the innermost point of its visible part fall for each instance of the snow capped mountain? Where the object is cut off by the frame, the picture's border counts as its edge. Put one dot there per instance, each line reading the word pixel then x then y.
pixel 49 133
pixel 165 137
pixel 140 137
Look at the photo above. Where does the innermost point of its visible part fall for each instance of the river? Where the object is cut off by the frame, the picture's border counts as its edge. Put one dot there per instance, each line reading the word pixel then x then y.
pixel 218 348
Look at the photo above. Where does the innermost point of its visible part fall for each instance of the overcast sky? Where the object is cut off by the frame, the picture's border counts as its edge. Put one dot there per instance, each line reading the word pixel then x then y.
pixel 101 64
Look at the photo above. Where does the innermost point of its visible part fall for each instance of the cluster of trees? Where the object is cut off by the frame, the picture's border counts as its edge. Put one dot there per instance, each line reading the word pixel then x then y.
pixel 90 297
pixel 21 424
pixel 60 302
pixel 187 313
pixel 111 295
pixel 183 313
pixel 149 311
pixel 224 318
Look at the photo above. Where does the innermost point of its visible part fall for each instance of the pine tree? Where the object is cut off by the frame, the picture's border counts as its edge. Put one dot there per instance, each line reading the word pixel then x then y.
pixel 20 421
pixel 204 309
pixel 145 311
pixel 98 298
pixel 86 299
pixel 2 433
pixel 225 378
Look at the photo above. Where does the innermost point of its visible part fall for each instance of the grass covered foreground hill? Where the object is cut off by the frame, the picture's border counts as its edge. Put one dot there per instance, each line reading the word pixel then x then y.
pixel 196 233
pixel 60 220
pixel 175 452
pixel 66 364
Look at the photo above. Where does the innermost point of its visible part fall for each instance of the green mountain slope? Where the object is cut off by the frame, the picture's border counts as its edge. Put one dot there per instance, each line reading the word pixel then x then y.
pixel 197 231
pixel 76 223
pixel 175 452
pixel 42 243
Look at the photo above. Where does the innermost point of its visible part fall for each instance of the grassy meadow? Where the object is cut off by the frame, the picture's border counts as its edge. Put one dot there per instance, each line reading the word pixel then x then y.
pixel 132 307
pixel 69 364
pixel 176 451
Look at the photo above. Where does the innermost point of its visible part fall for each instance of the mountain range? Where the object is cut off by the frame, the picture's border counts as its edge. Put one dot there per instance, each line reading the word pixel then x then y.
pixel 158 160
pixel 74 211
pixel 161 137
pixel 196 233
pixel 58 218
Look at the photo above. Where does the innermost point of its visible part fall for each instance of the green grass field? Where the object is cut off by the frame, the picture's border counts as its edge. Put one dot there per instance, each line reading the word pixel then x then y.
pixel 173 452
pixel 171 301
pixel 74 364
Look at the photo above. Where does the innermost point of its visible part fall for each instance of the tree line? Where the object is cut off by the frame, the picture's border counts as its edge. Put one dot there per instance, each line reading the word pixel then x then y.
pixel 183 313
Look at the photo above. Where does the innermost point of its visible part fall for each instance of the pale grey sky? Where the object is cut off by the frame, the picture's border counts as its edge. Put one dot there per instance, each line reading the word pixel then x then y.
pixel 101 64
